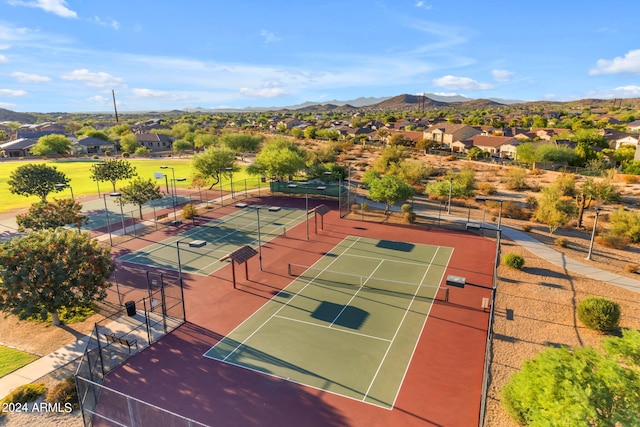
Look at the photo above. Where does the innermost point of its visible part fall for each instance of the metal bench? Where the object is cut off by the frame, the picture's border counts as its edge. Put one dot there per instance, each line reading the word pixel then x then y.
pixel 112 338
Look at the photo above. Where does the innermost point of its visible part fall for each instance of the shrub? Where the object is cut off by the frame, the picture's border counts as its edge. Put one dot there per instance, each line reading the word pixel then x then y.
pixel 189 211
pixel 486 188
pixel 64 392
pixel 612 241
pixel 527 227
pixel 451 158
pixel 95 157
pixel 125 154
pixel 599 314
pixel 632 268
pixel 562 242
pixel 630 179
pixel 107 153
pixel 410 217
pixel 514 261
pixel 25 393
pixel 406 208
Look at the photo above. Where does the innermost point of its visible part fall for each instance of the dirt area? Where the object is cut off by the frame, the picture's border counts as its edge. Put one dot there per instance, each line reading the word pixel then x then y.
pixel 535 307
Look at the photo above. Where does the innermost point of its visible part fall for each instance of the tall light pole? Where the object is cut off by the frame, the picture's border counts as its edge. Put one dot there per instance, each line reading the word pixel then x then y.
pixel 192 244
pixel 62 186
pixel 593 233
pixel 450 191
pixel 106 211
pixel 159 175
pixel 119 195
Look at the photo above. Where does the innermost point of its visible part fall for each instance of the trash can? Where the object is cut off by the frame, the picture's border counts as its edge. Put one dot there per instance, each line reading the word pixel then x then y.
pixel 131 308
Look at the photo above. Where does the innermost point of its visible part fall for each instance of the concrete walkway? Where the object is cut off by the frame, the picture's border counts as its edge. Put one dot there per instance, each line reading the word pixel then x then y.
pixel 74 351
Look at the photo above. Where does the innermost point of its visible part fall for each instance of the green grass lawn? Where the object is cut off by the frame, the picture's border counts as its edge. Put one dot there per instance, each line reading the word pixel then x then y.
pixel 78 171
pixel 11 359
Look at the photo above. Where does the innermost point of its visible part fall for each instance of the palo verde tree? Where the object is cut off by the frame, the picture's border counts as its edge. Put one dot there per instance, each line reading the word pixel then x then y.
pixel 554 209
pixel 603 191
pixel 241 143
pixel 279 158
pixel 579 387
pixel 112 170
pixel 129 143
pixel 214 163
pixel 54 143
pixel 45 215
pixel 138 192
pixel 36 179
pixel 390 189
pixel 47 270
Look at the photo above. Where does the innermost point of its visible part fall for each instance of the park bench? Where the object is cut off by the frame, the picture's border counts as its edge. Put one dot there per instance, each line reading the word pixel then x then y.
pixel 112 338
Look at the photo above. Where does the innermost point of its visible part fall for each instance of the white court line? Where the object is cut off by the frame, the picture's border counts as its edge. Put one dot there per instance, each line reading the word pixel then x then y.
pixel 386 259
pixel 398 330
pixel 333 329
pixel 424 323
pixel 356 293
pixel 283 306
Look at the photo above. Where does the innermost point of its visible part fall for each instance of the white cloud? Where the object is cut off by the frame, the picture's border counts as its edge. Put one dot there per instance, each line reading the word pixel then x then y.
pixel 100 100
pixel 502 75
pixel 57 7
pixel 106 22
pixel 265 92
pixel 12 92
pixel 269 37
pixel 142 93
pixel 630 63
pixel 30 78
pixel 423 5
pixel 91 79
pixel 3 59
pixel 460 83
pixel 627 91
pixel 7 105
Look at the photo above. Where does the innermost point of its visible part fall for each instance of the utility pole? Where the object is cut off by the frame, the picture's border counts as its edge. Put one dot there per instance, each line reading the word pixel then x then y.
pixel 113 94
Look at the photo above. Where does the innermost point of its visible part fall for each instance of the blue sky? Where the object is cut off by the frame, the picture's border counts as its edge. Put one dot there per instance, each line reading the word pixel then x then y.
pixel 58 55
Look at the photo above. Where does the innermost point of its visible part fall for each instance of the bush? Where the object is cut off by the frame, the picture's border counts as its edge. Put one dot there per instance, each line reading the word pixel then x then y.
pixel 451 158
pixel 514 261
pixel 562 242
pixel 64 392
pixel 486 188
pixel 632 268
pixel 630 179
pixel 189 211
pixel 611 241
pixel 125 154
pixel 599 314
pixel 95 157
pixel 107 153
pixel 527 227
pixel 25 393
pixel 406 208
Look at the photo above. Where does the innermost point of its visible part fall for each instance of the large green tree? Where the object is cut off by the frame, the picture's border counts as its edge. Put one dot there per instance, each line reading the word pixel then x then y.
pixel 54 143
pixel 47 270
pixel 280 158
pixel 241 143
pixel 579 387
pixel 554 210
pixel 390 189
pixel 44 215
pixel 129 143
pixel 36 179
pixel 214 163
pixel 140 191
pixel 112 170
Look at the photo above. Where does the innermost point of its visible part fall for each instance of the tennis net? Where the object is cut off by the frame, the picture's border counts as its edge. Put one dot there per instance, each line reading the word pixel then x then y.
pixel 321 276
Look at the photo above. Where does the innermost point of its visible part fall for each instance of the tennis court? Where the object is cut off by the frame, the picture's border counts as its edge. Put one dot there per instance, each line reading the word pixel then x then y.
pixel 345 325
pixel 221 236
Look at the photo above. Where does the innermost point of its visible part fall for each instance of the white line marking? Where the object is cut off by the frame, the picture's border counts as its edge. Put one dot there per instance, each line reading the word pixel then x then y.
pixel 386 353
pixel 333 329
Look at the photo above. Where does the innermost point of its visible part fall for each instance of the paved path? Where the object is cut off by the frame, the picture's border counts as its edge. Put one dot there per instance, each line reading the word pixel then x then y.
pixel 73 351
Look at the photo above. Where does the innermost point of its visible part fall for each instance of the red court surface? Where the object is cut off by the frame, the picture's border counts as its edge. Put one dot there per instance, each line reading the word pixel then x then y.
pixel 442 386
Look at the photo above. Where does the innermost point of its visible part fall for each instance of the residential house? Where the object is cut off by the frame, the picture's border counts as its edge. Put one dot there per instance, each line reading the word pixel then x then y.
pixel 631 140
pixel 155 141
pixel 447 133
pixel 18 147
pixel 42 129
pixel 497 146
pixel 634 126
pixel 90 145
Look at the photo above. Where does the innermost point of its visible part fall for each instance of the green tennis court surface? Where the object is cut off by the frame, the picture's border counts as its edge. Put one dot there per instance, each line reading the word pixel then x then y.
pixel 349 324
pixel 222 236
